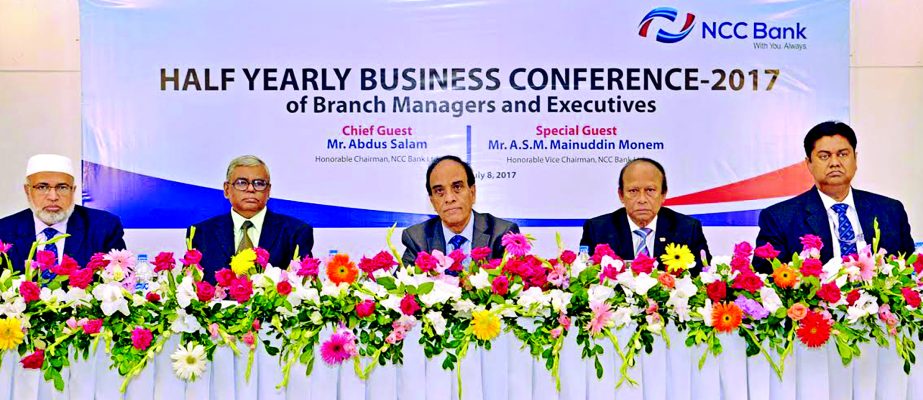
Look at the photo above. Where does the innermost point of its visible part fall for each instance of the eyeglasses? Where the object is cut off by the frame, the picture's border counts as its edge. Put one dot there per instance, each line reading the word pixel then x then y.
pixel 62 189
pixel 242 184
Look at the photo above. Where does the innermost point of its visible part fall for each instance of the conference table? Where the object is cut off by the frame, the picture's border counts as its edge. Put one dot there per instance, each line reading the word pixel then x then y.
pixel 505 372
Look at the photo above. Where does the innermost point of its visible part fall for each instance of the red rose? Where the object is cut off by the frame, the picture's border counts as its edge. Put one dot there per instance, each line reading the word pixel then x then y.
pixel 766 251
pixel 829 292
pixel 500 286
pixel 409 305
pixel 493 264
pixel 262 256
pixel 811 242
pixel 365 308
pixel 852 297
pixel 192 257
pixel 255 325
pixel 92 326
pixel 918 264
pixel 44 259
pixel 425 262
pixel 739 263
pixel 29 291
pixel 141 338
pixel 68 266
pixel 812 267
pixel 34 360
pixel 601 251
pixel 152 297
pixel 748 281
pixel 568 257
pixel 241 289
pixel 457 257
pixel 164 262
pixel 480 253
pixel 642 263
pixel 716 291
pixel 309 267
pixel 284 288
pixel 81 278
pixel 98 262
pixel 204 291
pixel 912 297
pixel 743 250
pixel 224 277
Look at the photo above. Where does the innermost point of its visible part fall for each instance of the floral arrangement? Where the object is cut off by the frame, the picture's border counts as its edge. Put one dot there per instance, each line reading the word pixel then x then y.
pixel 52 309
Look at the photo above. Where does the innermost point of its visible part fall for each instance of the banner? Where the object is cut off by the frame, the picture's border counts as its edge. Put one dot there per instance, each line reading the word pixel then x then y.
pixel 348 103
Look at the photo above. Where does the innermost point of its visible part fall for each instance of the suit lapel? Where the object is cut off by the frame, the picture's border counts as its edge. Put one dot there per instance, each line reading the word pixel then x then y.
pixel 666 226
pixel 816 219
pixel 621 241
pixel 434 238
pixel 226 235
pixel 866 213
pixel 481 235
pixel 75 244
pixel 269 233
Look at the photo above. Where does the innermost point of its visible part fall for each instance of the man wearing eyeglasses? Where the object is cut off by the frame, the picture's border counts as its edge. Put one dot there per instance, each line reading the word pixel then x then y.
pixel 642 226
pixel 249 224
pixel 451 189
pixel 52 213
pixel 843 217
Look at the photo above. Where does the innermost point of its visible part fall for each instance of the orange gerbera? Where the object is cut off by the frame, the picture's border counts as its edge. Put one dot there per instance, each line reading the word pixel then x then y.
pixel 785 277
pixel 340 269
pixel 725 317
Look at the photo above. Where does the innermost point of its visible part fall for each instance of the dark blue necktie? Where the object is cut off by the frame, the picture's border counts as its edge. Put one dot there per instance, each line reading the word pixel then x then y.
pixel 845 233
pixel 50 233
pixel 456 242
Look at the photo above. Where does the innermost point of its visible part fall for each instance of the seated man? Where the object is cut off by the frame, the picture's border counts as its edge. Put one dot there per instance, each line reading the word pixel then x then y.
pixel 451 189
pixel 643 226
pixel 50 192
pixel 841 216
pixel 249 224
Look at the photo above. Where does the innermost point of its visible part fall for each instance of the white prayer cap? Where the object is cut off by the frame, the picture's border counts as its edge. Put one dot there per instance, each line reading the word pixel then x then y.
pixel 49 163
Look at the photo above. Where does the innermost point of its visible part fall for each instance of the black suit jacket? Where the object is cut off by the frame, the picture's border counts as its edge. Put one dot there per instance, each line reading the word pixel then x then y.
pixel 783 224
pixel 280 234
pixel 672 227
pixel 427 236
pixel 91 231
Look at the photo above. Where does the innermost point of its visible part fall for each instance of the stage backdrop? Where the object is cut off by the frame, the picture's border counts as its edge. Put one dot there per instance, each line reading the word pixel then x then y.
pixel 349 101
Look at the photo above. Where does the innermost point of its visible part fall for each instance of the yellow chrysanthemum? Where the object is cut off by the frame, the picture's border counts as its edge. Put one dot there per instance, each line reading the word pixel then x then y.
pixel 243 261
pixel 677 257
pixel 485 325
pixel 10 333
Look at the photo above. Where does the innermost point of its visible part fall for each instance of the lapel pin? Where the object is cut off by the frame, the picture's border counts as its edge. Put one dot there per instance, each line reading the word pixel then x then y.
pixel 663 240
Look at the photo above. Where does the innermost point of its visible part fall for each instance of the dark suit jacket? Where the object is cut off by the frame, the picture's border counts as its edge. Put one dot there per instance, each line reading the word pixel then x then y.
pixel 91 231
pixel 280 234
pixel 783 224
pixel 427 236
pixel 672 227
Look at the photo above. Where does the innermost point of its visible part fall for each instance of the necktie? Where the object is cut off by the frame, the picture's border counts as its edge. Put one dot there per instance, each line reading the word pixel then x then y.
pixel 642 246
pixel 245 242
pixel 845 233
pixel 50 233
pixel 456 242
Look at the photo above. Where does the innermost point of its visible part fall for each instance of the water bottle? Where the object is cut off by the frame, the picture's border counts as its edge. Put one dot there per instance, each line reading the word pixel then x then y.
pixel 143 273
pixel 584 254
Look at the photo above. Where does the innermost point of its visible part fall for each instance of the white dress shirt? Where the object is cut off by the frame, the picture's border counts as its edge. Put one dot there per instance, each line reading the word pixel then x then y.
pixel 467 232
pixel 833 220
pixel 254 232
pixel 39 236
pixel 636 240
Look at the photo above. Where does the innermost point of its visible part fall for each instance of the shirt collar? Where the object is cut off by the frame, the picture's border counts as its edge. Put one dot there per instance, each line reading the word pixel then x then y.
pixel 256 219
pixel 467 232
pixel 829 201
pixel 633 226
pixel 61 227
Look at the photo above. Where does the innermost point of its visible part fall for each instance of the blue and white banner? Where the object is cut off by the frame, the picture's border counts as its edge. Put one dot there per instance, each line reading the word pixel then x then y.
pixel 348 102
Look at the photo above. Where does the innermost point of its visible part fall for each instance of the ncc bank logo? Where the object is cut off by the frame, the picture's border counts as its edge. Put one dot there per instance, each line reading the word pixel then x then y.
pixel 669 14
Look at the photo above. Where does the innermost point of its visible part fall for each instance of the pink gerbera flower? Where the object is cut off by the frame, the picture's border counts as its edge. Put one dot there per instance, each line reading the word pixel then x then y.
pixel 517 244
pixel 340 347
pixel 602 315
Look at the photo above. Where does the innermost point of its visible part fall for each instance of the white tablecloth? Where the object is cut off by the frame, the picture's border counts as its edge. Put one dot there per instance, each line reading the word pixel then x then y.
pixel 505 372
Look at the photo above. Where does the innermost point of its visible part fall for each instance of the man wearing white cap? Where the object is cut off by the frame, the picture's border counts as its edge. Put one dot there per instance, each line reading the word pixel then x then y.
pixel 50 191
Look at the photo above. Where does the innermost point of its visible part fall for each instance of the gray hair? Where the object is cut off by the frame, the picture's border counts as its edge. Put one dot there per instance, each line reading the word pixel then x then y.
pixel 245 161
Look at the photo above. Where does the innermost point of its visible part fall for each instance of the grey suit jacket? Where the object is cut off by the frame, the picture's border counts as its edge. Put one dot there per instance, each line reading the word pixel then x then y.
pixel 427 236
